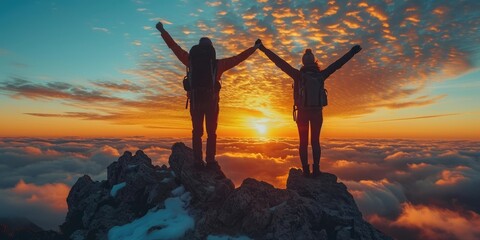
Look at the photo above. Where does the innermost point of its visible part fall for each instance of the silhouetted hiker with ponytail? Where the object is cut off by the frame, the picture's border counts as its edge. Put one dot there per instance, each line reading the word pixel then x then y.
pixel 310 97
pixel 203 86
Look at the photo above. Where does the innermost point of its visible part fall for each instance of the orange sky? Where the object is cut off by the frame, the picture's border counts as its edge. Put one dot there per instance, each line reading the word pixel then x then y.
pixel 240 124
pixel 416 77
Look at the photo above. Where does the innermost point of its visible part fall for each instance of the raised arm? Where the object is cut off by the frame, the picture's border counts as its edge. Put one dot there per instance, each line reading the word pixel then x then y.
pixel 228 63
pixel 344 59
pixel 282 64
pixel 181 54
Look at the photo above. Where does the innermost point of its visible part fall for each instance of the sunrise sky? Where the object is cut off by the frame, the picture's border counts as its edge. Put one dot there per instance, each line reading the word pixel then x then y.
pixel 82 81
pixel 76 68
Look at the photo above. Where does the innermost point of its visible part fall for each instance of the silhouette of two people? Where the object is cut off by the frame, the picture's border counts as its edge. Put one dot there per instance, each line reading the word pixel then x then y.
pixel 203 85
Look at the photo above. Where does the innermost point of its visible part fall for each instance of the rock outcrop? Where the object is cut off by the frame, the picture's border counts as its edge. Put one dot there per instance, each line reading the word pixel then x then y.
pixel 93 208
pixel 308 208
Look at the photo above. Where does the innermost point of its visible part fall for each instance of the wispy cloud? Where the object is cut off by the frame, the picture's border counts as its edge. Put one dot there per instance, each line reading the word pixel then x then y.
pixel 125 85
pixel 101 29
pixel 80 115
pixel 413 118
pixel 137 43
pixel 163 20
pixel 18 87
pixel 213 3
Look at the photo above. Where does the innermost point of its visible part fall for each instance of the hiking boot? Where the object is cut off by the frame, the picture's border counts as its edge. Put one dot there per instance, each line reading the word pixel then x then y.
pixel 316 170
pixel 306 170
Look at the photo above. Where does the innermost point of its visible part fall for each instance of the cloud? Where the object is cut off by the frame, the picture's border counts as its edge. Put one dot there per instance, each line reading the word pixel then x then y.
pixel 101 29
pixel 438 223
pixel 381 198
pixel 429 222
pixel 21 88
pixel 78 115
pixel 32 150
pixel 163 20
pixel 414 118
pixel 213 3
pixel 137 43
pixel 390 179
pixel 43 204
pixel 420 101
pixel 51 195
pixel 449 177
pixel 125 85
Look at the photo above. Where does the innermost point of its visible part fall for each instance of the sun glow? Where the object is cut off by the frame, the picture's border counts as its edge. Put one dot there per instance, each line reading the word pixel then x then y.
pixel 260 125
pixel 261 128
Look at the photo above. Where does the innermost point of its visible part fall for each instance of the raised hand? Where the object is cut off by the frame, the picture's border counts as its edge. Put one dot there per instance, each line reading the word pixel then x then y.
pixel 257 43
pixel 355 49
pixel 159 26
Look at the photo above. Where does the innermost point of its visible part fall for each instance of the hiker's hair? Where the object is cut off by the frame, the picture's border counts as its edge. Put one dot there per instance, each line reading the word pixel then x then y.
pixel 309 61
pixel 205 41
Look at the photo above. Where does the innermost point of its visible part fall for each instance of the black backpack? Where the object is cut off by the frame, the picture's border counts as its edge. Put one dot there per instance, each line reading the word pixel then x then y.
pixel 200 81
pixel 309 92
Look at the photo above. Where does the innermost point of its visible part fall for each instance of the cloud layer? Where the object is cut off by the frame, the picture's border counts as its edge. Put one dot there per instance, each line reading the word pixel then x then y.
pixel 392 181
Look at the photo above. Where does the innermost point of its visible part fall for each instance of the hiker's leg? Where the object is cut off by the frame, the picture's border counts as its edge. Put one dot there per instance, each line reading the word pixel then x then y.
pixel 316 122
pixel 197 113
pixel 211 119
pixel 302 125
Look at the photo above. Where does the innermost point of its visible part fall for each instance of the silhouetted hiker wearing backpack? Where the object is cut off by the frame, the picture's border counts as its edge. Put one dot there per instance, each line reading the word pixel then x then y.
pixel 310 97
pixel 203 86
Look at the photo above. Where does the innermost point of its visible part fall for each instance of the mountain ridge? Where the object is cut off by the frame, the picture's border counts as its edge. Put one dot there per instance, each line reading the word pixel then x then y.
pixel 142 201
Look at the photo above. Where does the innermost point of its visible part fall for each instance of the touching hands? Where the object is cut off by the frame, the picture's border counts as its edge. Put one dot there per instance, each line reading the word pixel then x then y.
pixel 355 49
pixel 257 43
pixel 159 26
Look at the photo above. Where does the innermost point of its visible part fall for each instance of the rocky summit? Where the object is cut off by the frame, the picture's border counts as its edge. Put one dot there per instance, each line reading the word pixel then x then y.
pixel 140 200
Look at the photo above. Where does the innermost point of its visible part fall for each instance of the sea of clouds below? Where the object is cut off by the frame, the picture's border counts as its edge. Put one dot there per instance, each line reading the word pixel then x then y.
pixel 407 188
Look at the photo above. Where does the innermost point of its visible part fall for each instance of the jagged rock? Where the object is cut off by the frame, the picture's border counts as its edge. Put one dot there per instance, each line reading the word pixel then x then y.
pixel 118 171
pixel 324 189
pixel 206 186
pixel 309 208
pixel 259 210
pixel 319 208
pixel 93 209
pixel 79 198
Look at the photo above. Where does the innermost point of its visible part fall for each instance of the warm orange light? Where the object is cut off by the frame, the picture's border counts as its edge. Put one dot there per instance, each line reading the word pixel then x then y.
pixel 261 126
pixel 51 195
